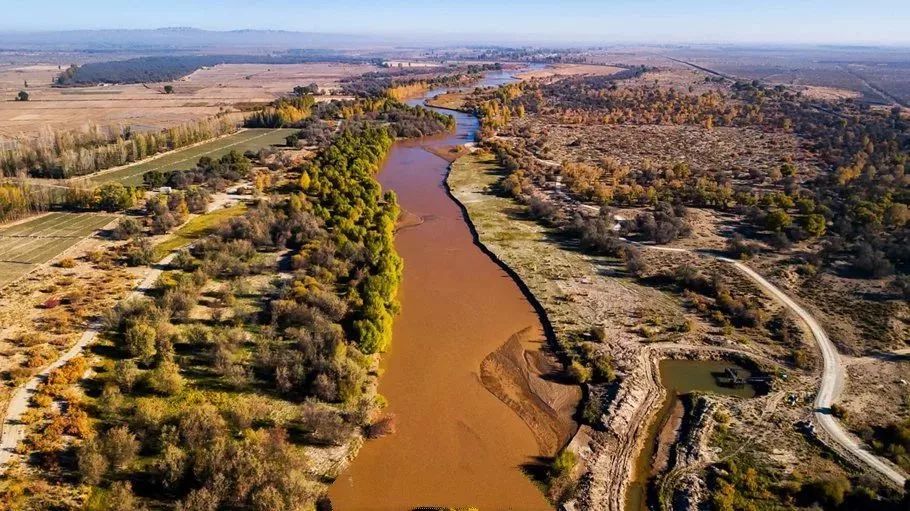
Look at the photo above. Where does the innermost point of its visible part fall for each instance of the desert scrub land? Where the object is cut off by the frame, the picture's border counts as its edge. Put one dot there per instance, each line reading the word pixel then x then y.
pixel 613 326
pixel 43 314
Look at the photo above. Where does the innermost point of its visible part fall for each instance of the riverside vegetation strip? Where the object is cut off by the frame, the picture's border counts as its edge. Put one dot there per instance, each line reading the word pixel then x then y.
pixel 223 372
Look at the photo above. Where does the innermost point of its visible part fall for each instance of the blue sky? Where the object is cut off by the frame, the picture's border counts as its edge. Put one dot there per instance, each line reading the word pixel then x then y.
pixel 584 21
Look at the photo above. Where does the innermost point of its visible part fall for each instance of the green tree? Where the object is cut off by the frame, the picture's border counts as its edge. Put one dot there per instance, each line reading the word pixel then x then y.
pixel 22 96
pixel 126 374
pixel 165 379
pixel 92 463
pixel 168 89
pixel 115 197
pixel 814 224
pixel 120 447
pixel 140 341
pixel 777 220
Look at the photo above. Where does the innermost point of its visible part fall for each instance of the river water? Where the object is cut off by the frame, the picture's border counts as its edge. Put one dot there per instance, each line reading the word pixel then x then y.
pixel 456 444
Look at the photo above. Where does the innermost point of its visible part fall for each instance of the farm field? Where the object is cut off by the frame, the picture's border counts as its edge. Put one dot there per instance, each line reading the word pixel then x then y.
pixel 145 106
pixel 250 139
pixel 27 245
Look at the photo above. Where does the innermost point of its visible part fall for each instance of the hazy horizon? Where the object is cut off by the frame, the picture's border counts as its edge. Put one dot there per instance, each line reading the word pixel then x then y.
pixel 569 22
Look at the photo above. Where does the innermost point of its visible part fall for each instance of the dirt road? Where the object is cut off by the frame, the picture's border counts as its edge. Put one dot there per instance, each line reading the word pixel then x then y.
pixel 14 430
pixel 833 376
pixel 833 373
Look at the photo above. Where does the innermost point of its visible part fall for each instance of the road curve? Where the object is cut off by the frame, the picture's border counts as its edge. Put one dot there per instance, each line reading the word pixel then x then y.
pixel 833 376
pixel 832 381
pixel 14 430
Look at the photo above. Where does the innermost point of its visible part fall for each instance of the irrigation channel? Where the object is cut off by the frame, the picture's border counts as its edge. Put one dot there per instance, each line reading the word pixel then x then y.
pixel 456 444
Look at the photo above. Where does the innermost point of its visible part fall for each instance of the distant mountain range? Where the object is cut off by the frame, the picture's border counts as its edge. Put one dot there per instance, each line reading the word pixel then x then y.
pixel 180 38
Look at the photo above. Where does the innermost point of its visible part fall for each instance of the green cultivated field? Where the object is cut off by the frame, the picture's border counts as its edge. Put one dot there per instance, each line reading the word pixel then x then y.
pixel 250 139
pixel 26 245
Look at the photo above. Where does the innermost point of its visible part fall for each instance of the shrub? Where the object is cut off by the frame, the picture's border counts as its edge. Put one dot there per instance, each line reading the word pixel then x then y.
pixel 126 374
pixel 165 379
pixel 140 253
pixel 120 447
pixel 92 462
pixel 140 341
pixel 827 492
pixel 579 372
pixel 562 465
pixel 66 262
pixel 839 411
pixel 126 229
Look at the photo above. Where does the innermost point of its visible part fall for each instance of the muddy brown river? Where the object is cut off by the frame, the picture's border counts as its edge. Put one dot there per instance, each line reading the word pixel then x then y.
pixel 456 444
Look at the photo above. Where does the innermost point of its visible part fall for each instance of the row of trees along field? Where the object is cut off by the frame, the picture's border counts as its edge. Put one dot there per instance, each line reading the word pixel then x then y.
pixel 64 154
pixel 19 199
pixel 282 113
pixel 403 83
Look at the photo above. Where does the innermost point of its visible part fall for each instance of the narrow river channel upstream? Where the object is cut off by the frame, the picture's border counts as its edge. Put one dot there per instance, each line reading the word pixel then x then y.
pixel 456 444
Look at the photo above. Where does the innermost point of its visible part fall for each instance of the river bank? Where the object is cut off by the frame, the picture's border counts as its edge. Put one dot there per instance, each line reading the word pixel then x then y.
pixel 579 292
pixel 467 372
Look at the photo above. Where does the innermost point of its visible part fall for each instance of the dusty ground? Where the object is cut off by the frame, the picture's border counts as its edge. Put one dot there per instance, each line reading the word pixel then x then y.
pixel 34 330
pixel 880 383
pixel 145 106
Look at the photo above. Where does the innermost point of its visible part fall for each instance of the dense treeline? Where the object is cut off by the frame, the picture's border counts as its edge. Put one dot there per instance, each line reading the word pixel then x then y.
pixel 165 69
pixel 64 154
pixel 181 405
pixel 282 113
pixel 18 200
pixel 402 120
pixel 403 83
pixel 351 203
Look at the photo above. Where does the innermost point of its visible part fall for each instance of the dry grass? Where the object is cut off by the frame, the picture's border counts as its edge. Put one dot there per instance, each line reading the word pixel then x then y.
pixel 145 106
pixel 563 70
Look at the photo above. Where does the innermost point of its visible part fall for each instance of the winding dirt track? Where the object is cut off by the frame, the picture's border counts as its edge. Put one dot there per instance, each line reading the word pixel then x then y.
pixel 14 429
pixel 832 383
pixel 833 373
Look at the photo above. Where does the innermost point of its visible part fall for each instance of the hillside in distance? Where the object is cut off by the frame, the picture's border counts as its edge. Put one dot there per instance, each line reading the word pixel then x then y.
pixel 184 38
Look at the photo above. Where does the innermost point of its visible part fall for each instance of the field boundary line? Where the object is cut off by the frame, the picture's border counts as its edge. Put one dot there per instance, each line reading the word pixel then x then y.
pixel 152 158
pixel 37 266
pixel 184 160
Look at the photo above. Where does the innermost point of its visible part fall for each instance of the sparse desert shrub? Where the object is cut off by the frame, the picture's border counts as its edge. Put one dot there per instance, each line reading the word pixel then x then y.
pixel 127 228
pixel 579 372
pixel 140 252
